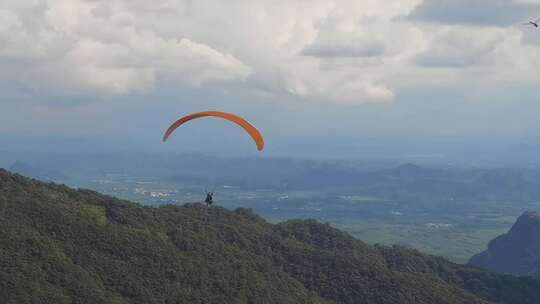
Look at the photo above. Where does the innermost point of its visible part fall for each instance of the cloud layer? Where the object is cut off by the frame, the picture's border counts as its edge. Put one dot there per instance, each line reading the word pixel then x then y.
pixel 342 51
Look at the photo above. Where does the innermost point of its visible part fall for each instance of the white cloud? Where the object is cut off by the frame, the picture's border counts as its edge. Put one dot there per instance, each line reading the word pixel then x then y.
pixel 335 42
pixel 336 85
pixel 344 46
pixel 340 51
pixel 69 48
pixel 460 47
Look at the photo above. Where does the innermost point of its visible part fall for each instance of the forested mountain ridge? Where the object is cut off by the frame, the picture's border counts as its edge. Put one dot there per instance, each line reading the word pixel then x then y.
pixel 516 252
pixel 59 245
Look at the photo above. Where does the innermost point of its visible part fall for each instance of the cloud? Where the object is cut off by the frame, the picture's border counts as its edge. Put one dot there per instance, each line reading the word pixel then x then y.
pixel 461 48
pixel 344 47
pixel 334 43
pixel 475 12
pixel 91 50
pixel 530 36
pixel 67 47
pixel 339 52
pixel 340 87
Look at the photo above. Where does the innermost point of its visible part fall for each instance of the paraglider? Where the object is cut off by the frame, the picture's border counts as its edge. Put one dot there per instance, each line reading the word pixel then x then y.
pixel 209 198
pixel 250 129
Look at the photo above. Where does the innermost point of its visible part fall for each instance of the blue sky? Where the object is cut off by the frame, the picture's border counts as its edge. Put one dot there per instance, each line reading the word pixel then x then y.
pixel 308 73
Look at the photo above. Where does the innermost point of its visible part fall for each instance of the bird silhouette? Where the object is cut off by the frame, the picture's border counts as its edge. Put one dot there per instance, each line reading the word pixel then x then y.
pixel 535 23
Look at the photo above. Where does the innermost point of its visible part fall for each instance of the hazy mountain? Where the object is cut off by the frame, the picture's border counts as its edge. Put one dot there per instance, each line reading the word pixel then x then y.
pixel 59 245
pixel 369 178
pixel 38 172
pixel 516 252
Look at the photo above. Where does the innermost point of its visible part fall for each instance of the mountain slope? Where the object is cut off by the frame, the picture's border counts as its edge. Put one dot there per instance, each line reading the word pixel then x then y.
pixel 59 245
pixel 516 252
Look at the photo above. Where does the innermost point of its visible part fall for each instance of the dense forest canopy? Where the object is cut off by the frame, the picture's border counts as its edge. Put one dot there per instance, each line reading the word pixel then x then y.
pixel 60 245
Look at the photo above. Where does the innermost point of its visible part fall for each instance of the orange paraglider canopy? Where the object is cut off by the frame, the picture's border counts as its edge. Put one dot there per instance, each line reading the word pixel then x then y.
pixel 252 131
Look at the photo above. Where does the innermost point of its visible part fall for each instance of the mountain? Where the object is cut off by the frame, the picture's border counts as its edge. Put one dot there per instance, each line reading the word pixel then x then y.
pixel 36 171
pixel 411 171
pixel 516 252
pixel 407 181
pixel 59 245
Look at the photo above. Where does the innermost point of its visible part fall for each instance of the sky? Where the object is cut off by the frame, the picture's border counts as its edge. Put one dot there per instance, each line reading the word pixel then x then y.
pixel 309 73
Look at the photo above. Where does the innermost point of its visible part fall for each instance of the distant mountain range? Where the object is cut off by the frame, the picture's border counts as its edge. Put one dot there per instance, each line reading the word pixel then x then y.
pixel 516 252
pixel 47 174
pixel 59 245
pixel 392 182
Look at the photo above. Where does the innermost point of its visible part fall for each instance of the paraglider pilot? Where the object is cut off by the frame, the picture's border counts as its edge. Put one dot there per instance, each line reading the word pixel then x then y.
pixel 209 198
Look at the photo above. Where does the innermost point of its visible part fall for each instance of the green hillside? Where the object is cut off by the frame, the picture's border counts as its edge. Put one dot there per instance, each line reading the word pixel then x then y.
pixel 59 245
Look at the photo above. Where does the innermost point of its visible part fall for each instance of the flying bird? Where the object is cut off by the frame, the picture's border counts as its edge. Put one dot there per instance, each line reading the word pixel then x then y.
pixel 535 23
